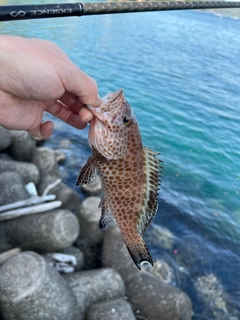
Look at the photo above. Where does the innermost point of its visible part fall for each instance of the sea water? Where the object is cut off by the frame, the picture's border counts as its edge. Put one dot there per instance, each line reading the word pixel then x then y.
pixel 180 71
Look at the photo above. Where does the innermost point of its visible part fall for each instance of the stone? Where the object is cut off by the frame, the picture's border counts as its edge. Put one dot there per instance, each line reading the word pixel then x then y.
pixel 12 188
pixel 45 232
pixel 88 215
pixel 30 289
pixel 68 196
pixel 95 286
pixel 74 251
pixel 94 188
pixel 149 296
pixel 162 271
pixel 118 309
pixel 160 237
pixel 215 299
pixel 153 299
pixel 115 254
pixel 23 145
pixel 44 158
pixel 59 156
pixel 6 138
pixel 28 171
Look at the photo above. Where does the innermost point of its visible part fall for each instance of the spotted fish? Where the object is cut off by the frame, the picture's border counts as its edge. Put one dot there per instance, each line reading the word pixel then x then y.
pixel 129 173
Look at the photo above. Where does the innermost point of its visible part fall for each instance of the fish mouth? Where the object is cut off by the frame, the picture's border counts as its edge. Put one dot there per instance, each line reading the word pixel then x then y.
pixel 109 103
pixel 115 95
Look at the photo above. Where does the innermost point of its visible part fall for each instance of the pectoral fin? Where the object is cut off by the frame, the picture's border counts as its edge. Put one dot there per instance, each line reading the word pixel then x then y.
pixel 106 216
pixel 88 172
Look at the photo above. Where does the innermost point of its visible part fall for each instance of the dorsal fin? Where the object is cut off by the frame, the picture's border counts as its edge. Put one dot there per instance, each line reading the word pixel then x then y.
pixel 88 172
pixel 152 174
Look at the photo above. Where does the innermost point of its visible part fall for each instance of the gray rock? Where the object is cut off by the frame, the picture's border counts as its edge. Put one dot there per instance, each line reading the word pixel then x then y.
pixel 28 171
pixel 95 286
pixel 74 251
pixel 118 309
pixel 5 138
pixel 149 296
pixel 212 293
pixel 45 159
pixel 45 232
pixel 69 197
pixel 29 289
pixel 59 155
pixel 152 299
pixel 23 145
pixel 162 271
pixel 160 237
pixel 94 188
pixel 115 254
pixel 12 188
pixel 88 216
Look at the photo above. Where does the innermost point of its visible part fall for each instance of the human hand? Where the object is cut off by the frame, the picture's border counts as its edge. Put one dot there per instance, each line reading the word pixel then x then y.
pixel 37 76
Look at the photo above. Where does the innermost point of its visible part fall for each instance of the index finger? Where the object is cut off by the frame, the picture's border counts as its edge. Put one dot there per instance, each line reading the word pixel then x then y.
pixel 80 84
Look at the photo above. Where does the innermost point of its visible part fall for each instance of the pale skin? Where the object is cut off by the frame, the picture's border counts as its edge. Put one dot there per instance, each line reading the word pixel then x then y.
pixel 37 76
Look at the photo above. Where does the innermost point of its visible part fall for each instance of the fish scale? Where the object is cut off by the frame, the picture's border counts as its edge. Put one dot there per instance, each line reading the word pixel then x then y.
pixel 128 171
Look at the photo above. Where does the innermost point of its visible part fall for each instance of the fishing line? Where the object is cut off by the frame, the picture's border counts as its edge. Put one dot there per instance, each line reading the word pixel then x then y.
pixel 38 11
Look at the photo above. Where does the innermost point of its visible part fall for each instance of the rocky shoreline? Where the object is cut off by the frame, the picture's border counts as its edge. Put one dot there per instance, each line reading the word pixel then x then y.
pixel 55 263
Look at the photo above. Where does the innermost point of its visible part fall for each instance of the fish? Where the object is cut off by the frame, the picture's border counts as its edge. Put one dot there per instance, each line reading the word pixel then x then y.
pixel 129 173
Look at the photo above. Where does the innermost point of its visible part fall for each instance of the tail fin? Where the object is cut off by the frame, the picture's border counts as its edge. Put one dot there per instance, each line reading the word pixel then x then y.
pixel 138 250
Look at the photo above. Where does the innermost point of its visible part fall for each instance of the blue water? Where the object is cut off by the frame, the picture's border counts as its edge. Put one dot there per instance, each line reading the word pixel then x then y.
pixel 180 71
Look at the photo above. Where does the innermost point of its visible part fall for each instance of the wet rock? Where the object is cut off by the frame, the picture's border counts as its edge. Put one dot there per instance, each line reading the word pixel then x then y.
pixel 94 188
pixel 45 232
pixel 74 251
pixel 149 296
pixel 95 286
pixel 12 188
pixel 29 289
pixel 160 237
pixel 162 271
pixel 6 138
pixel 118 309
pixel 23 145
pixel 215 299
pixel 28 171
pixel 88 216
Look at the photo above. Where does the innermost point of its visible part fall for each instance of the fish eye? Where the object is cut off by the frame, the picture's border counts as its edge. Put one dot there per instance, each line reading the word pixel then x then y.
pixel 126 120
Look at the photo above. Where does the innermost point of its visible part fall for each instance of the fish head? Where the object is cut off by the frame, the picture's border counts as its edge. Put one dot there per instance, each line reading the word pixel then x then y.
pixel 110 128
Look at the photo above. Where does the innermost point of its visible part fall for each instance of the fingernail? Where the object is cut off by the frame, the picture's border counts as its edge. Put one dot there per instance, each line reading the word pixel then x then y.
pixel 98 101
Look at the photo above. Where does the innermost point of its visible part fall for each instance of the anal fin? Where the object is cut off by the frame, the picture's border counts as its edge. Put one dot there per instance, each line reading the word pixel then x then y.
pixel 106 216
pixel 88 172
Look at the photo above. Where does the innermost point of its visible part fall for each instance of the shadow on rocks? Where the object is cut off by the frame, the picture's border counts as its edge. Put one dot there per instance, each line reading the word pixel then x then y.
pixel 150 297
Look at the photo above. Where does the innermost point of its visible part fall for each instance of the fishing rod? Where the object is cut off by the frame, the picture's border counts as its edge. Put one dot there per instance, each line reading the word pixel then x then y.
pixel 38 11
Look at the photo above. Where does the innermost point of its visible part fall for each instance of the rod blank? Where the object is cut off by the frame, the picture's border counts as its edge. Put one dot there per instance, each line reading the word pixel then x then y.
pixel 23 12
